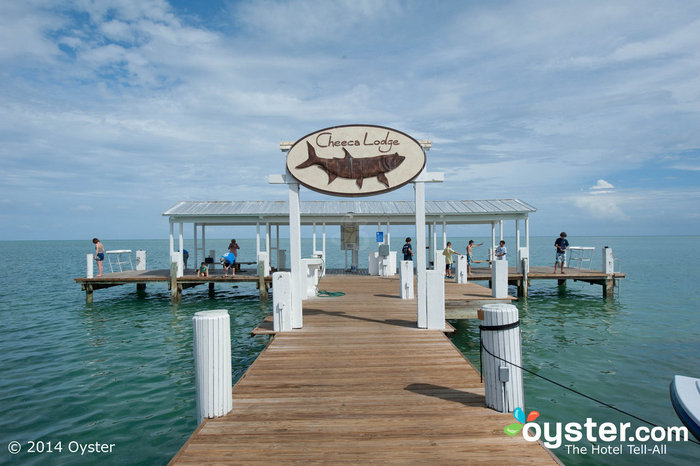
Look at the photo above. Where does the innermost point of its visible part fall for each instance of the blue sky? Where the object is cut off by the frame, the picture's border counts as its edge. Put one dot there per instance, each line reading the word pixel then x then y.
pixel 112 111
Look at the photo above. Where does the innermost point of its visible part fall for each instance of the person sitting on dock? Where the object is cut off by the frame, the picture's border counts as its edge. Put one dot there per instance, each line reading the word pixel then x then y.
pixel 562 244
pixel 448 252
pixel 501 251
pixel 228 260
pixel 203 270
pixel 470 259
pixel 99 255
pixel 407 250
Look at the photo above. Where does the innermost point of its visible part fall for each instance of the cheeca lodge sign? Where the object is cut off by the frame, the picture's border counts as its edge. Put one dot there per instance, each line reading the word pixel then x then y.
pixel 355 160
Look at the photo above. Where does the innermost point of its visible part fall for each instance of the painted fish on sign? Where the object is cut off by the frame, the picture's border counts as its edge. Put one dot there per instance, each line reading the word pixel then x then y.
pixel 355 160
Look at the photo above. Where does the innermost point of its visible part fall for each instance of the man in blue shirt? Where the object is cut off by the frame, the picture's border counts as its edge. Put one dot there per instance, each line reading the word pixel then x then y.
pixel 562 245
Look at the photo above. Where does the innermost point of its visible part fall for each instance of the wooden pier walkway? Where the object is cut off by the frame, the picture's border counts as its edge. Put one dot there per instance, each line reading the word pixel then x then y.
pixel 360 384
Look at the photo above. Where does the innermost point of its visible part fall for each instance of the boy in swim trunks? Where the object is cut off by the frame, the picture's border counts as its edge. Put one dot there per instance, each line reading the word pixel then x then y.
pixel 469 255
pixel 99 255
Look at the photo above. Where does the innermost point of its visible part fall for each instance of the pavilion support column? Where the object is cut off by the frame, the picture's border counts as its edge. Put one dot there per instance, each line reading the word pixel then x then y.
pixel 444 234
pixel 434 239
pixel 295 254
pixel 517 235
pixel 172 240
pixel 500 230
pixel 267 242
pixel 277 242
pixel 493 240
pixel 257 240
pixel 527 232
pixel 196 247
pixel 419 188
pixel 180 261
pixel 204 243
pixel 388 234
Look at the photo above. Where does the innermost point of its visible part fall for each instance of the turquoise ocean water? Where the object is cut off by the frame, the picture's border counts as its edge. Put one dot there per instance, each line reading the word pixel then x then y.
pixel 120 371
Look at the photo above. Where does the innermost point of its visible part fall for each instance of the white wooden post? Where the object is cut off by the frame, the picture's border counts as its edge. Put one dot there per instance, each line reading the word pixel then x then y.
pixel 267 246
pixel 499 279
pixel 406 280
pixel 608 261
pixel 461 269
pixel 295 255
pixel 436 300
pixel 500 336
pixel 500 230
pixel 90 271
pixel 140 259
pixel 419 188
pixel 212 363
pixel 282 301
pixel 439 262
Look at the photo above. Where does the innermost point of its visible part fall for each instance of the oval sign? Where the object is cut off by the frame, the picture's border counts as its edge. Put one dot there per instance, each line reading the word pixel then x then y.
pixel 355 160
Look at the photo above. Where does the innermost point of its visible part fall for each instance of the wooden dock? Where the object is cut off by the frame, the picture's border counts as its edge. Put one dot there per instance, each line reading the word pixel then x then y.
pixel 360 384
pixel 175 284
pixel 522 282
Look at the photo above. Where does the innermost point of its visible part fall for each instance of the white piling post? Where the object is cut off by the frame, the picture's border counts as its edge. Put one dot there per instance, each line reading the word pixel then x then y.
pixel 141 259
pixel 282 301
pixel 499 279
pixel 436 299
pixel 90 271
pixel 608 261
pixel 439 262
pixel 461 269
pixel 406 279
pixel 500 335
pixel 212 363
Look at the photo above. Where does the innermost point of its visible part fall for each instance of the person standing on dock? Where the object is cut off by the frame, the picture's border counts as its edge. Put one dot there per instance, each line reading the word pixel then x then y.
pixel 469 255
pixel 448 252
pixel 501 251
pixel 562 244
pixel 99 255
pixel 407 250
pixel 233 247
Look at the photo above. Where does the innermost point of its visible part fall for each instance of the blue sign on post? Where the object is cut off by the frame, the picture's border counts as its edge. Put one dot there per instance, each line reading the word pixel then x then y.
pixel 380 237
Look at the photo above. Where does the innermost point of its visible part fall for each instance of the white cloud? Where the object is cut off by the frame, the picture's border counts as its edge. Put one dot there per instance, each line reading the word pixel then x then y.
pixel 601 186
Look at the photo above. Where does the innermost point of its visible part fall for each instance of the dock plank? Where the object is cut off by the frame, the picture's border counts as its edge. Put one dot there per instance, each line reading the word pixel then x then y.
pixel 359 384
